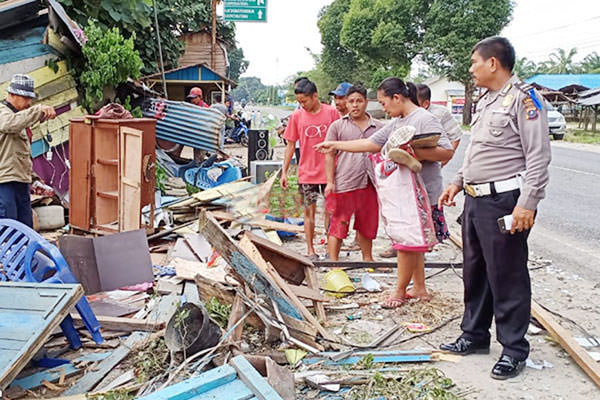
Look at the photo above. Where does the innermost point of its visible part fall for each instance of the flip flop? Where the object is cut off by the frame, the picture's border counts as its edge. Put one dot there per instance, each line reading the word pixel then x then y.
pixel 393 302
pixel 411 297
pixel 351 247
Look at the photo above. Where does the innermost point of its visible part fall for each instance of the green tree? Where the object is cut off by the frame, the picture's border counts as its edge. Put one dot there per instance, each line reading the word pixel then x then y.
pixel 237 64
pixel 452 28
pixel 561 62
pixel 338 62
pixel 525 68
pixel 108 60
pixel 590 64
pixel 385 34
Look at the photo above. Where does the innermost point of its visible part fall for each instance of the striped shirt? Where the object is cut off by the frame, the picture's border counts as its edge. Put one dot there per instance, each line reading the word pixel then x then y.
pixel 448 122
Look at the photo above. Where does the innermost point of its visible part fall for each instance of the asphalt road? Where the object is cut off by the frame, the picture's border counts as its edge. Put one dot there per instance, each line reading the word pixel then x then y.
pixel 567 230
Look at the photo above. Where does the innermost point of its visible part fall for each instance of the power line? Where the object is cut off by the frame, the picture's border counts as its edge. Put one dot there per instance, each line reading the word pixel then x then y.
pixel 578 23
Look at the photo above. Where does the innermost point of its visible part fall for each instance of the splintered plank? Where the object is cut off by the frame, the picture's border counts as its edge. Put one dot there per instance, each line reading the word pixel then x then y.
pixel 259 386
pixel 244 266
pixel 91 379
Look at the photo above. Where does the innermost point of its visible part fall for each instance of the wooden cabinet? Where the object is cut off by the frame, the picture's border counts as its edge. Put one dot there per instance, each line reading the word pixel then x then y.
pixel 112 173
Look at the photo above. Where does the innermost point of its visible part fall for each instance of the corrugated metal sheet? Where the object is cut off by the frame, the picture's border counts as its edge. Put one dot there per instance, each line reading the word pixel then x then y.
pixel 186 74
pixel 187 124
pixel 209 75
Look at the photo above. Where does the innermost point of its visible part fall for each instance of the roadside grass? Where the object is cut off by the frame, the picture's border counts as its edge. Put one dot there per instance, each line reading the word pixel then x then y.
pixel 580 136
pixel 466 128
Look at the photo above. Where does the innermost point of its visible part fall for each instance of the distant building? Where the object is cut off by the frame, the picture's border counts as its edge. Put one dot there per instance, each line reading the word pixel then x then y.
pixel 447 93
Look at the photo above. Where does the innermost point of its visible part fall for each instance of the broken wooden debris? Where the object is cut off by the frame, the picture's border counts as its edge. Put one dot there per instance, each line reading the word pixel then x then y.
pixel 243 266
pixel 91 379
pixel 50 375
pixel 237 381
pixel 23 334
pixel 126 324
pixel 564 337
pixel 252 252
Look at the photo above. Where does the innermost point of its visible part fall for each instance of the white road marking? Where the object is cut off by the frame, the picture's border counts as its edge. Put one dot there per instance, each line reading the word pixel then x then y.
pixel 576 171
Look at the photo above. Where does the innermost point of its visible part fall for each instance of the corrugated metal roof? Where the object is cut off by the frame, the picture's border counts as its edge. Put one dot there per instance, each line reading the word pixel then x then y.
pixel 559 81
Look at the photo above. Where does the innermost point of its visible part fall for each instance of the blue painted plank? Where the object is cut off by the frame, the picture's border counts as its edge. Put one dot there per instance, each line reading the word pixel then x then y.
pixel 234 390
pixel 254 380
pixel 195 386
pixel 93 357
pixel 23 45
pixel 376 359
pixel 50 375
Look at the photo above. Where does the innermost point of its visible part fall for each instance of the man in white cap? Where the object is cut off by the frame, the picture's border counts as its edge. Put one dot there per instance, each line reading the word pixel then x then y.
pixel 16 116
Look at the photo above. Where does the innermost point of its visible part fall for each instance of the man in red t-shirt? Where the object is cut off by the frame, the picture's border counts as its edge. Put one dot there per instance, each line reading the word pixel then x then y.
pixel 196 97
pixel 309 126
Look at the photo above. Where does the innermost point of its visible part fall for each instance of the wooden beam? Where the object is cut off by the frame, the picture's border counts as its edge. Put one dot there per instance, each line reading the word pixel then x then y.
pixel 564 337
pixel 346 265
pixel 260 222
pixel 308 293
pixel 124 324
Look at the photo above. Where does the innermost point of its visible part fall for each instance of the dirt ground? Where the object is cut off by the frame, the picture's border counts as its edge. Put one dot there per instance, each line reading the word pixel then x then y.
pixel 554 286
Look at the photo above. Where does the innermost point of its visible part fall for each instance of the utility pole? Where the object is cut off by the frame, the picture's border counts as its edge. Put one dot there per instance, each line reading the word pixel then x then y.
pixel 213 53
pixel 162 63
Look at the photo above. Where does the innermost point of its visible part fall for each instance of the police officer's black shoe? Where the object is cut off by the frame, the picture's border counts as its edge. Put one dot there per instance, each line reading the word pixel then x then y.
pixel 507 367
pixel 464 346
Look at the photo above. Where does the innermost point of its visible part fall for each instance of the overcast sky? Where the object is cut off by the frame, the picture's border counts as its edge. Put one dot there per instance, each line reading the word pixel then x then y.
pixel 277 49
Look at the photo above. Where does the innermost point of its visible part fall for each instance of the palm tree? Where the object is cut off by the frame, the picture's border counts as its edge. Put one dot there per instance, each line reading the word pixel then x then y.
pixel 590 64
pixel 561 62
pixel 525 68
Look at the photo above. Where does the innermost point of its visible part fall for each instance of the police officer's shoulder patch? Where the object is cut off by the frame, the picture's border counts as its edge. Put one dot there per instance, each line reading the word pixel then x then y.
pixel 530 108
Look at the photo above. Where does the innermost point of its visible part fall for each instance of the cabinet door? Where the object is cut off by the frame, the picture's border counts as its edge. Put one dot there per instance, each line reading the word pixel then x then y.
pixel 130 196
pixel 80 153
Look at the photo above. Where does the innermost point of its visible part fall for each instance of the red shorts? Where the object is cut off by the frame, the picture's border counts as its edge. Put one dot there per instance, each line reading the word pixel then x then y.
pixel 362 203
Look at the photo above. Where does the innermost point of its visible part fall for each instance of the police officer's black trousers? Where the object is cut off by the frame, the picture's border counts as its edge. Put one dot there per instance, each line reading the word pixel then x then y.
pixel 495 275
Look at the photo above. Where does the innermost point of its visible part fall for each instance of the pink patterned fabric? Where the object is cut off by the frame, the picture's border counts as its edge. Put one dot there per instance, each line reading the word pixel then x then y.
pixel 404 206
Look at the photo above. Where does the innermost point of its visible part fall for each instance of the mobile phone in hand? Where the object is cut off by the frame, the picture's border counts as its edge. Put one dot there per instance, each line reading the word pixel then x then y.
pixel 505 223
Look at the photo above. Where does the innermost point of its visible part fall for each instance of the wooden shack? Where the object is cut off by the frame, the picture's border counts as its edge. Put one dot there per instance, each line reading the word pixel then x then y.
pixel 197 51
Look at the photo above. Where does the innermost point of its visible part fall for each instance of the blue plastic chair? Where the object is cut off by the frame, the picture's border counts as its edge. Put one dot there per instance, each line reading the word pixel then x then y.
pixel 26 256
pixel 199 176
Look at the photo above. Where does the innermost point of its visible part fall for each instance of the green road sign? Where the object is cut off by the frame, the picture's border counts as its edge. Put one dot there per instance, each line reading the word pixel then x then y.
pixel 246 10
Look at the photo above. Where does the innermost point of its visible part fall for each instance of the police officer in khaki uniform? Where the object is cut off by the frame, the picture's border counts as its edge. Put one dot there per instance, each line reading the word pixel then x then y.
pixel 505 172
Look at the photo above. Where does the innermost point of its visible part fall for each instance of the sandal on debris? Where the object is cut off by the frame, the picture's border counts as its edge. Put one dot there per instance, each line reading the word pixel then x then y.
pixel 392 302
pixel 351 247
pixel 411 297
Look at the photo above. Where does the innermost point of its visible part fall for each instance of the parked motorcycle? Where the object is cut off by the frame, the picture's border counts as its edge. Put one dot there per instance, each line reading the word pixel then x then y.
pixel 239 132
